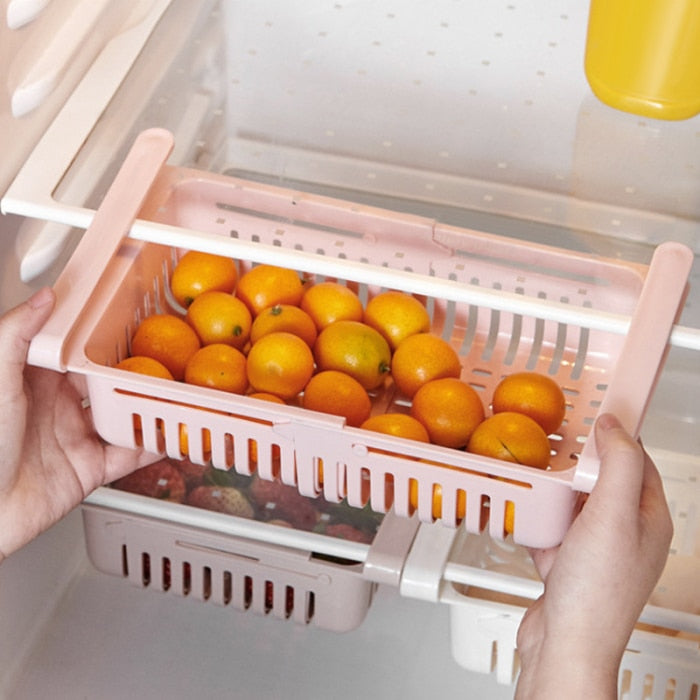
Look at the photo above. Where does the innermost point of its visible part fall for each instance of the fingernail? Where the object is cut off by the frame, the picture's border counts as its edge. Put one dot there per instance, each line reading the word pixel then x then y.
pixel 607 421
pixel 41 298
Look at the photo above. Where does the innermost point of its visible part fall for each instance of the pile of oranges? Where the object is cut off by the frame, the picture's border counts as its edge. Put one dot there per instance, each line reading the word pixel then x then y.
pixel 271 334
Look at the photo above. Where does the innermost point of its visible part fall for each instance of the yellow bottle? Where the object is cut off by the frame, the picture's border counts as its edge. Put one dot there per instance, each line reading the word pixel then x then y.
pixel 643 56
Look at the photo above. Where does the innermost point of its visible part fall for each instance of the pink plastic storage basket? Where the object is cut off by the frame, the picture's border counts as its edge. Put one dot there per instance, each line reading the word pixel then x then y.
pixel 599 327
pixel 233 572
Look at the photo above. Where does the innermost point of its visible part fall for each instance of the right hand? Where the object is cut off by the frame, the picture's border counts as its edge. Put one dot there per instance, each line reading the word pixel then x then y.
pixel 571 640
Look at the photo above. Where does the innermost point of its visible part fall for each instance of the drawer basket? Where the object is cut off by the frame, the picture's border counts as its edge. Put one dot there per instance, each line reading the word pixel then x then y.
pixel 233 572
pixel 599 327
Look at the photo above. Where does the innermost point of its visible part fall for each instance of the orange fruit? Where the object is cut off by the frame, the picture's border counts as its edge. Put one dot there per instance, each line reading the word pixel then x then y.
pixel 513 437
pixel 280 363
pixel 421 358
pixel 219 317
pixel 449 409
pixel 397 424
pixel 356 349
pixel 168 339
pixel 534 394
pixel 264 396
pixel 284 317
pixel 185 442
pixel 396 315
pixel 253 445
pixel 509 521
pixel 145 365
pixel 437 500
pixel 339 394
pixel 267 285
pixel 218 366
pixel 327 302
pixel 198 272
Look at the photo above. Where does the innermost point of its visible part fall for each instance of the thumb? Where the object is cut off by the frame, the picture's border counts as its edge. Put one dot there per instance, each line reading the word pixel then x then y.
pixel 17 328
pixel 621 466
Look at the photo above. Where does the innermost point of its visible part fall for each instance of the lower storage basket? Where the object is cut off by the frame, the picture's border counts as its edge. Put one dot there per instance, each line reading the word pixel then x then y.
pixel 503 305
pixel 662 660
pixel 233 572
pixel 655 666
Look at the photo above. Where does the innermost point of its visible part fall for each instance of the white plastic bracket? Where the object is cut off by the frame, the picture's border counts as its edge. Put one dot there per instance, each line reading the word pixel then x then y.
pixel 109 226
pixel 647 341
pixel 391 544
pixel 422 576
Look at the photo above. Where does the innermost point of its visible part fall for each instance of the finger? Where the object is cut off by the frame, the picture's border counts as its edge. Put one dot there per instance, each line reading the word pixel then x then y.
pixel 653 501
pixel 17 328
pixel 544 560
pixel 622 468
pixel 120 461
pixel 652 481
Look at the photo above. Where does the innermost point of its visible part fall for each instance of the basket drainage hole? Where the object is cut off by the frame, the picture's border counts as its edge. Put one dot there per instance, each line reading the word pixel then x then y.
pixel 137 428
pixel 125 562
pixel 145 569
pixel 310 606
pixel 227 588
pixel 206 582
pixel 269 596
pixel 288 601
pixel 186 578
pixel 247 591
pixel 166 573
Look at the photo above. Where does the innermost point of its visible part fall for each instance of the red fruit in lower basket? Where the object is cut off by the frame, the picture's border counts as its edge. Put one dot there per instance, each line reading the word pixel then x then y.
pixel 192 473
pixel 281 502
pixel 222 499
pixel 159 480
pixel 348 532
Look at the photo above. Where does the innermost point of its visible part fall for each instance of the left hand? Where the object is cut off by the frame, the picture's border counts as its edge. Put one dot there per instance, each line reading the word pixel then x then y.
pixel 51 456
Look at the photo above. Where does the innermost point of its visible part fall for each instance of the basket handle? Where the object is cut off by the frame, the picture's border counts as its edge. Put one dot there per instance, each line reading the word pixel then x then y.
pixel 644 350
pixel 109 226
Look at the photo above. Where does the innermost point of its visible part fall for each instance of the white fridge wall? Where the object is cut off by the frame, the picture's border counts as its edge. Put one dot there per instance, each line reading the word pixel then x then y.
pixel 32 582
pixel 479 105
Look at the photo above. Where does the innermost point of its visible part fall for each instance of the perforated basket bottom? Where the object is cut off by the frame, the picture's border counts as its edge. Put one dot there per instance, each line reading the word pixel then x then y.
pixel 231 572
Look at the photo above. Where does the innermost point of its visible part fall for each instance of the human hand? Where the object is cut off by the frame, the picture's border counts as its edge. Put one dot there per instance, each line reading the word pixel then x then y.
pixel 571 639
pixel 51 456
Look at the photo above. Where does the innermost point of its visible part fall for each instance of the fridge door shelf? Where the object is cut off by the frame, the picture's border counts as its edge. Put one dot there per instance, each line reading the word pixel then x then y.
pixel 503 305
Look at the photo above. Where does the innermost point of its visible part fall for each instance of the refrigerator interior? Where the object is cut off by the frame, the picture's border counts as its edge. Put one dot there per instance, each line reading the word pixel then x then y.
pixel 475 116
